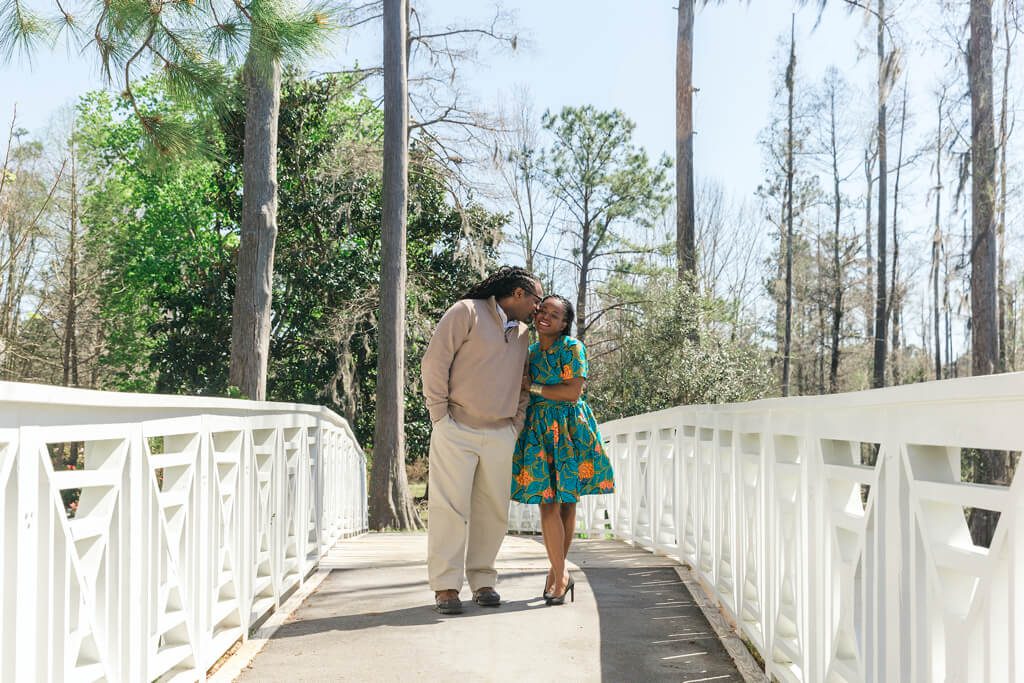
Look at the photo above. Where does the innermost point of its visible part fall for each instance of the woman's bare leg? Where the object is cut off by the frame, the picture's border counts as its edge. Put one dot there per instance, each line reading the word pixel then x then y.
pixel 562 521
pixel 553 529
pixel 568 514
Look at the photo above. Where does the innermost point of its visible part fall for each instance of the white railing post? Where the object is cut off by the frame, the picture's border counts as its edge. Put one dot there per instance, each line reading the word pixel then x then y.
pixel 681 500
pixel 9 538
pixel 136 610
pixel 29 636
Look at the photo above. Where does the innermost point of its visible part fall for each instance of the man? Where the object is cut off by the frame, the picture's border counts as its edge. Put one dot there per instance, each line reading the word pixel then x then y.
pixel 472 382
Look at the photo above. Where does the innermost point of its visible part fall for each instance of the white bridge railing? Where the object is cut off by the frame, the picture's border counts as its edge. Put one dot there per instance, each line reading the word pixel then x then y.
pixel 195 517
pixel 833 569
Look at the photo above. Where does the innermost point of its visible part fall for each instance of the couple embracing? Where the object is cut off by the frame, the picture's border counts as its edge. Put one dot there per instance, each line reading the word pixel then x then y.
pixel 509 421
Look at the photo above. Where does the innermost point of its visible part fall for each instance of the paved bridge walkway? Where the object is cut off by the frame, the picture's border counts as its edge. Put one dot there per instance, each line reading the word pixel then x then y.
pixel 371 620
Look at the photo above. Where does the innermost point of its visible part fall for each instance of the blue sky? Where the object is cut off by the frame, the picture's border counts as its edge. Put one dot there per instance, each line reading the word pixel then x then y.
pixel 606 53
pixel 616 54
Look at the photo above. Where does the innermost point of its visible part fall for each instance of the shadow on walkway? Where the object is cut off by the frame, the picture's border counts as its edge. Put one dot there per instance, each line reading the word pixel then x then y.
pixel 372 620
pixel 417 615
pixel 650 627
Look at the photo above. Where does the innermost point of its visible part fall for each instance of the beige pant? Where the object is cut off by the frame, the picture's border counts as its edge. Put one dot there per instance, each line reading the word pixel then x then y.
pixel 470 484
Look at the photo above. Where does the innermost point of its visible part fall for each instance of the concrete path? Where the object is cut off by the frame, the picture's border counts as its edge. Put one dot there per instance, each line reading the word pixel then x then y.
pixel 372 620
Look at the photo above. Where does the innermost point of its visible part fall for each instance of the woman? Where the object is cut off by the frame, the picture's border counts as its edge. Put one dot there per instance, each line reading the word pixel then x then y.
pixel 558 456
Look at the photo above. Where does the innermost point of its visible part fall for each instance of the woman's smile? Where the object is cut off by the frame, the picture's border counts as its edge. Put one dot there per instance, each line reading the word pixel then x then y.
pixel 547 319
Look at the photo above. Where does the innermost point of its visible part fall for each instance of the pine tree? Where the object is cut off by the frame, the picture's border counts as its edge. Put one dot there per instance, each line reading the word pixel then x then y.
pixel 194 48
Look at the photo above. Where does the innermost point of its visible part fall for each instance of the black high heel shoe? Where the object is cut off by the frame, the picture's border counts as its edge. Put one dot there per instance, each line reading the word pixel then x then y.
pixel 546 594
pixel 570 588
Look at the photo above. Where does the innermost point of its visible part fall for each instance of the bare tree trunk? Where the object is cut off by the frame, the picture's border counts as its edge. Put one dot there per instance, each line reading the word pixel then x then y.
pixel 820 305
pixel 837 265
pixel 69 351
pixel 1004 135
pixel 531 247
pixel 584 280
pixel 869 280
pixel 686 250
pixel 1011 313
pixel 937 238
pixel 881 308
pixel 9 315
pixel 516 157
pixel 790 87
pixel 951 370
pixel 984 326
pixel 984 329
pixel 896 301
pixel 251 311
pixel 7 223
pixel 391 504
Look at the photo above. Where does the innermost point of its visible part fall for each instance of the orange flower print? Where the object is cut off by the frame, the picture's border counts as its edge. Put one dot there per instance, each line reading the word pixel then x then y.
pixel 566 372
pixel 553 428
pixel 548 493
pixel 606 485
pixel 585 470
pixel 523 478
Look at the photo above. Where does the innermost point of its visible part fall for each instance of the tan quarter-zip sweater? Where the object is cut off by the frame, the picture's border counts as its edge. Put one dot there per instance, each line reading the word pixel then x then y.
pixel 473 371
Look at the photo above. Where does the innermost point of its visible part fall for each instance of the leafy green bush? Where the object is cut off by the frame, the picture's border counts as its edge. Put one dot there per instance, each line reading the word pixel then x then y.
pixel 677 348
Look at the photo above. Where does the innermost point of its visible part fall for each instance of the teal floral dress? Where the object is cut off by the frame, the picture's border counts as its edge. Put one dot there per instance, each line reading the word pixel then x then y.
pixel 559 455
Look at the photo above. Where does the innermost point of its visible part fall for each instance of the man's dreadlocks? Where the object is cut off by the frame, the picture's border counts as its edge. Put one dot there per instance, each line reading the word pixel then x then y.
pixel 502 282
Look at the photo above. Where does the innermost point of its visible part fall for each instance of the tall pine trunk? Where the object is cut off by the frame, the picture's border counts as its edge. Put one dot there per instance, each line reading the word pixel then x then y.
pixel 881 307
pixel 895 296
pixel 251 311
pixel 530 245
pixel 69 351
pixel 821 306
pixel 1004 134
pixel 686 249
pixel 787 341
pixel 984 327
pixel 984 330
pixel 584 280
pixel 937 241
pixel 837 264
pixel 870 157
pixel 934 276
pixel 391 504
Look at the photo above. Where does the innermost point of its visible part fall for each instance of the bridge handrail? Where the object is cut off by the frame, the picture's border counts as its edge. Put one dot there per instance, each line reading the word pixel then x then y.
pixel 834 568
pixel 196 517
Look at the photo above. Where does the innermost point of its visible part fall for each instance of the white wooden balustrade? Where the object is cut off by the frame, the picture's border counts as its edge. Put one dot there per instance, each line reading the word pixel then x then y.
pixel 836 570
pixel 196 517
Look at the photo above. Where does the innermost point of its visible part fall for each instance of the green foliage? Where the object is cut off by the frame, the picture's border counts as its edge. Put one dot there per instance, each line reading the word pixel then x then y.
pixel 195 48
pixel 152 225
pixel 168 236
pixel 606 184
pixel 677 348
pixel 599 174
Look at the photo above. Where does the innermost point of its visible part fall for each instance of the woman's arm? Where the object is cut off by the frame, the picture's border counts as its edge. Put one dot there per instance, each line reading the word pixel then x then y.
pixel 568 390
